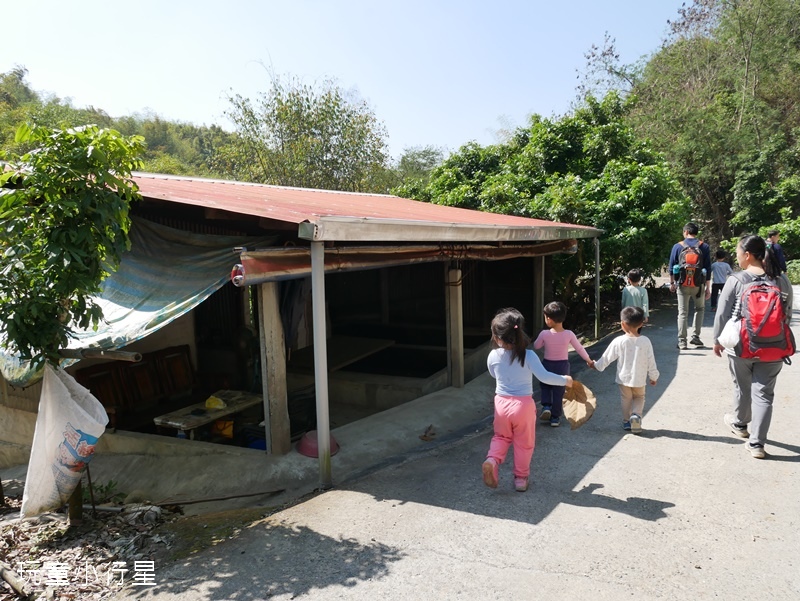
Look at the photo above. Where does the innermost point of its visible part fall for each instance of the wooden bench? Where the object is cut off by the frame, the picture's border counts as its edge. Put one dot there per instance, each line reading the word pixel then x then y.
pixel 133 393
pixel 187 419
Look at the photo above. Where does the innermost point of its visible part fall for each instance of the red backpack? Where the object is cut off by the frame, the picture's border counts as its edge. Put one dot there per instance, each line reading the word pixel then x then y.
pixel 765 331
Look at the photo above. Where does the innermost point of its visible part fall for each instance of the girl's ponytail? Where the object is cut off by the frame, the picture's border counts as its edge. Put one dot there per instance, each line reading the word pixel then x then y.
pixel 758 248
pixel 509 327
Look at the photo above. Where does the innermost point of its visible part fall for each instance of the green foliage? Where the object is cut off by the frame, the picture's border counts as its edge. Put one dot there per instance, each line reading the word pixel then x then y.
pixel 413 171
pixel 299 135
pixel 767 193
pixel 64 215
pixel 793 271
pixel 103 493
pixel 172 147
pixel 588 168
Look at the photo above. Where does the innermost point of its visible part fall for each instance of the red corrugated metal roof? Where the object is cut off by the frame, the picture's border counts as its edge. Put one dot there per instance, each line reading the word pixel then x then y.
pixel 298 205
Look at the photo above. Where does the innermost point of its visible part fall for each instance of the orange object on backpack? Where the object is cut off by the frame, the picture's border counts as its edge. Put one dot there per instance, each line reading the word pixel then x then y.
pixel 690 265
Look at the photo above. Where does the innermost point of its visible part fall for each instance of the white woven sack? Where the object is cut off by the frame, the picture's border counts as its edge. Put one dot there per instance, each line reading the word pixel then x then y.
pixel 69 422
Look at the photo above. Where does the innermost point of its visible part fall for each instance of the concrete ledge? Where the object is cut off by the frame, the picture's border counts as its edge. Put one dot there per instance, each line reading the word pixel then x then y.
pixel 13 454
pixel 137 443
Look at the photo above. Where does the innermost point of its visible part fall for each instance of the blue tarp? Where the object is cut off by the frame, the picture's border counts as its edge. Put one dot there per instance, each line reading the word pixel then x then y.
pixel 166 273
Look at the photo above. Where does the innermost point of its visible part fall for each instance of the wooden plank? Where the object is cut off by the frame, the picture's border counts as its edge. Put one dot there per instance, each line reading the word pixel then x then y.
pixel 342 351
pixel 276 403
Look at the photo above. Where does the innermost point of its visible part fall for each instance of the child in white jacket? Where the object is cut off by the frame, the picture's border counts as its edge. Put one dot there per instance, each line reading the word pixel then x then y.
pixel 636 364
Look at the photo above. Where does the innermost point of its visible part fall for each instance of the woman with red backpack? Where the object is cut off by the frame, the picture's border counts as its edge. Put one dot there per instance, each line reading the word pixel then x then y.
pixel 759 298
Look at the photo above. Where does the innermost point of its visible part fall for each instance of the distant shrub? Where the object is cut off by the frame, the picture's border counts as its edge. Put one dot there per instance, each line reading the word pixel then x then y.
pixel 793 271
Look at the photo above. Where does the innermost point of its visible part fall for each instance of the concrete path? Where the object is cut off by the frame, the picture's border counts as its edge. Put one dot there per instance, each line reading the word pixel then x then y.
pixel 680 512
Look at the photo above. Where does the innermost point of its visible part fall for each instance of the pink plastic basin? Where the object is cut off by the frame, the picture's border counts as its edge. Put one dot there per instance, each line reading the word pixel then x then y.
pixel 308 445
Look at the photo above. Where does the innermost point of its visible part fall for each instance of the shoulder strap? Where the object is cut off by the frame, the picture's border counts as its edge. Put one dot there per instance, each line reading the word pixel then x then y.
pixel 744 278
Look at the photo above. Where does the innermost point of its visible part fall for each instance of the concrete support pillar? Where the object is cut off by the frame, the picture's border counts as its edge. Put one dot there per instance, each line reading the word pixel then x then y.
pixel 537 322
pixel 321 363
pixel 384 279
pixel 455 328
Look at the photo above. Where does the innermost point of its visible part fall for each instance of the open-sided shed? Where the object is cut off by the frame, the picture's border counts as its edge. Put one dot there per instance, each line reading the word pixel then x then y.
pixel 326 232
pixel 341 287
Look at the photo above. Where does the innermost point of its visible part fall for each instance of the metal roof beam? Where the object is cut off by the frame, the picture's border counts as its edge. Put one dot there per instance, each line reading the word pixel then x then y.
pixel 365 229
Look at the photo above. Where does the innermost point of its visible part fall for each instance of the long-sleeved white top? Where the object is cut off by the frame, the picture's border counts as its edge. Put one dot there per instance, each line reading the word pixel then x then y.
pixel 636 363
pixel 514 379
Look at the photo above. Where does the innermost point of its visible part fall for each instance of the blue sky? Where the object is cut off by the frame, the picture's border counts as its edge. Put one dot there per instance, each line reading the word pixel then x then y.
pixel 435 72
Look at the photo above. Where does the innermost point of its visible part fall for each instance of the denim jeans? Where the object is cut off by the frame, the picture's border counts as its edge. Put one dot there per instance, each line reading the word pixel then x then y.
pixel 553 396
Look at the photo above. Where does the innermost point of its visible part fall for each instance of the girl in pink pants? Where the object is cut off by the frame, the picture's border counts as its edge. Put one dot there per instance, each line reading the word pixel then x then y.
pixel 512 364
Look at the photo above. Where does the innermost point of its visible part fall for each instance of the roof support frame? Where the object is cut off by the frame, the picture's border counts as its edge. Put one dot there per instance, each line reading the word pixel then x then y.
pixel 366 229
pixel 321 364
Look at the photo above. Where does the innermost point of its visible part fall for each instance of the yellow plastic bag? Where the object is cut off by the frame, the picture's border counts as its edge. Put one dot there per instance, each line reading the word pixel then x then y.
pixel 213 402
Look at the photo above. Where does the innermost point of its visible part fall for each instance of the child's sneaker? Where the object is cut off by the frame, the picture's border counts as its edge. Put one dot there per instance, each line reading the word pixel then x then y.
pixel 490 472
pixel 545 416
pixel 636 424
pixel 626 426
pixel 520 484
pixel 555 422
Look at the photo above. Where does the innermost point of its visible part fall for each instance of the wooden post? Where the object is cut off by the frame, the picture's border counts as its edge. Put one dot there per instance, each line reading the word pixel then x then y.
pixel 75 511
pixel 538 295
pixel 273 371
pixel 455 321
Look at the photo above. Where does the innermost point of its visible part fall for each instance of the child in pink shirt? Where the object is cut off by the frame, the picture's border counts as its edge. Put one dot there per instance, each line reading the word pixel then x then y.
pixel 556 342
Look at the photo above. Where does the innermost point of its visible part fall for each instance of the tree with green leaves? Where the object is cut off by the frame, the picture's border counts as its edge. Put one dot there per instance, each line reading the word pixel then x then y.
pixel 64 212
pixel 718 97
pixel 588 168
pixel 307 136
pixel 412 171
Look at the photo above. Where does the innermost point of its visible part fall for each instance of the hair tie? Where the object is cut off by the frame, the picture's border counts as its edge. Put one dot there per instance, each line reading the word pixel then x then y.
pixel 515 327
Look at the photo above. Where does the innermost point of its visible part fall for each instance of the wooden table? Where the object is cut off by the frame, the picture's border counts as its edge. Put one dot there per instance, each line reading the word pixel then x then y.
pixel 184 420
pixel 342 351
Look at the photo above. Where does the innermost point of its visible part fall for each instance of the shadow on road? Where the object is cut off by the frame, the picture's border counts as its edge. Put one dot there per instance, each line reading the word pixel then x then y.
pixel 565 459
pixel 636 507
pixel 232 572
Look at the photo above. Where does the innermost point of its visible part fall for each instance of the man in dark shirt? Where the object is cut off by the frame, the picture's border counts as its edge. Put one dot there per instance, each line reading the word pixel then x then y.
pixel 772 239
pixel 687 294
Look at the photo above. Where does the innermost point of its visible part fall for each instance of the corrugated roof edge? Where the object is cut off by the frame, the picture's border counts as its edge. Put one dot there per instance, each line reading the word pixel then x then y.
pixel 326 215
pixel 185 178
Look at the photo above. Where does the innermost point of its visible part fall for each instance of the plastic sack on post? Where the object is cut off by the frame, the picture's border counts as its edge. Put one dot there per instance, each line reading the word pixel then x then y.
pixel 68 425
